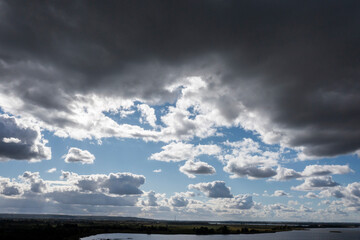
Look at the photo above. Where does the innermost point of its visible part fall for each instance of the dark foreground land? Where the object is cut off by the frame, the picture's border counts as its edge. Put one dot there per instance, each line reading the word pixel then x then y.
pixel 73 227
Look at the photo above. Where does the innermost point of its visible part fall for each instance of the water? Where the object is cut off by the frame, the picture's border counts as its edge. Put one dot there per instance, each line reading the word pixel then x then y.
pixel 313 234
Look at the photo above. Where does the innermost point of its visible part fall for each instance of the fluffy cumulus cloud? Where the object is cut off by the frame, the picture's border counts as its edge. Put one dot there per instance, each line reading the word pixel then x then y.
pixel 349 195
pixel 77 155
pixel 37 185
pixel 179 151
pixel 151 199
pixel 21 141
pixel 191 168
pixel 247 159
pixel 180 199
pixel 88 191
pixel 238 202
pixel 216 189
pixel 283 174
pixel 316 183
pixel 114 183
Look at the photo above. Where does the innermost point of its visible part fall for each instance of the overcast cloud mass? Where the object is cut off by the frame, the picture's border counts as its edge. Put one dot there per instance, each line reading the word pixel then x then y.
pixel 203 95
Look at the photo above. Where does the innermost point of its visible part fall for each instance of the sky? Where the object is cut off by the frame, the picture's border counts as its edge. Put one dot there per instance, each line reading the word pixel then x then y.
pixel 194 110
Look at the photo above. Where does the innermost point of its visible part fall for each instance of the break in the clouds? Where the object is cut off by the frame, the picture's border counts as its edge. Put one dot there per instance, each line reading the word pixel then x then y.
pixel 78 155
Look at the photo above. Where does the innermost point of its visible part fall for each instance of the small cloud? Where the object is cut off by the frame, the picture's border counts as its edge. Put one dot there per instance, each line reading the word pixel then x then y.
pixel 191 168
pixel 78 155
pixel 157 170
pixel 280 193
pixel 11 140
pixel 51 170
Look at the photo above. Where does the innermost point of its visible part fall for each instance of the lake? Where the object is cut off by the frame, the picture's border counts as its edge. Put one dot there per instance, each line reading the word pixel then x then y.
pixel 313 234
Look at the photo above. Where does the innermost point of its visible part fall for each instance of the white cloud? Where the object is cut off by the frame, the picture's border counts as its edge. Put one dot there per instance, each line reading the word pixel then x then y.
pixel 238 202
pixel 147 114
pixel 322 170
pixel 157 170
pixel 283 174
pixel 216 189
pixel 51 170
pixel 179 151
pixel 80 156
pixel 280 193
pixel 11 140
pixel 180 199
pixel 316 183
pixel 310 171
pixel 37 185
pixel 247 159
pixel 196 167
pixel 311 195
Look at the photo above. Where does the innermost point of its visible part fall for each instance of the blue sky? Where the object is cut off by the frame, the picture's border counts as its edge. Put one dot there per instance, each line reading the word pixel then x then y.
pixel 137 110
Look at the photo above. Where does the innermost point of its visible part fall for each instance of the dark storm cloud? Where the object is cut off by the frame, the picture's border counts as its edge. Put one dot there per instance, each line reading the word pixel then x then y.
pixel 294 63
pixel 21 142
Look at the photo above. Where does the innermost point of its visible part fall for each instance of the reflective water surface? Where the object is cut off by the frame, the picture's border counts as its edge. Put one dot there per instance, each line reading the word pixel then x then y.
pixel 311 234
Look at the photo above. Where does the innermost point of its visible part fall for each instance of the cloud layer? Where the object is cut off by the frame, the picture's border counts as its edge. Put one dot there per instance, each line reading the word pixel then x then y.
pixel 309 74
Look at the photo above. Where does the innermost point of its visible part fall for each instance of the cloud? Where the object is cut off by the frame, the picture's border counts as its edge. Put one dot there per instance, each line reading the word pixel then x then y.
pixel 74 197
pixel 147 114
pixel 120 189
pixel 216 189
pixel 280 193
pixel 238 202
pixel 307 84
pixel 37 184
pixel 9 188
pixel 114 183
pixel 180 199
pixel 283 174
pixel 179 151
pixel 349 195
pixel 322 170
pixel 247 159
pixel 11 191
pixel 316 183
pixel 310 171
pixel 151 201
pixel 51 170
pixel 191 168
pixel 21 141
pixel 157 171
pixel 311 195
pixel 78 155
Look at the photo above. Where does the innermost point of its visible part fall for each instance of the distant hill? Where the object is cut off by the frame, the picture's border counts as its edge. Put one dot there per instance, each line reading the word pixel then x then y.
pixel 70 217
